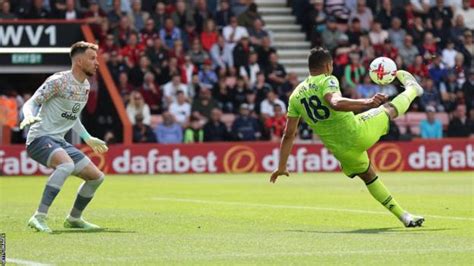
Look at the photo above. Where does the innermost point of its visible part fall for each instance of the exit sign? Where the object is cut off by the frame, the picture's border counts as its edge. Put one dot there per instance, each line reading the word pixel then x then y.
pixel 27 59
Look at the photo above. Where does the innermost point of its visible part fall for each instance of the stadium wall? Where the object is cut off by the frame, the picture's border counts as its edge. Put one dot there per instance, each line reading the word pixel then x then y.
pixel 239 157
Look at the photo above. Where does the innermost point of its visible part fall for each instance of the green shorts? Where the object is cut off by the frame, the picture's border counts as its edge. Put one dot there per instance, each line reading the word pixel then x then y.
pixel 371 124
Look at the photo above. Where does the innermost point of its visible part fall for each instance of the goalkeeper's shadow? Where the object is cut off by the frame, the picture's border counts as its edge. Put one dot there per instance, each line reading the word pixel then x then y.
pixel 375 230
pixel 102 230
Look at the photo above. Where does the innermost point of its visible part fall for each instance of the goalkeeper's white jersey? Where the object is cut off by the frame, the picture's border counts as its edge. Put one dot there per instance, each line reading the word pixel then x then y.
pixel 62 99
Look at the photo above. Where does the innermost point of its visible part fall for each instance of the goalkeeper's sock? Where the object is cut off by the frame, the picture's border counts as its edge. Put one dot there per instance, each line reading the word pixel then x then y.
pixel 84 196
pixel 404 99
pixel 382 195
pixel 53 186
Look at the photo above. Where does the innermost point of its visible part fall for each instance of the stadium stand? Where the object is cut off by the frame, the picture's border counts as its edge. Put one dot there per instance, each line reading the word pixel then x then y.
pixel 223 54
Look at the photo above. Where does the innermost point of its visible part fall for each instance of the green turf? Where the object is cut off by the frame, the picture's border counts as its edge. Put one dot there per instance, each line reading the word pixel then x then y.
pixel 243 219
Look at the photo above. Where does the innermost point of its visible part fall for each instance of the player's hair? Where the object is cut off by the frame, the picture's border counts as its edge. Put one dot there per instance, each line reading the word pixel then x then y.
pixel 81 47
pixel 318 58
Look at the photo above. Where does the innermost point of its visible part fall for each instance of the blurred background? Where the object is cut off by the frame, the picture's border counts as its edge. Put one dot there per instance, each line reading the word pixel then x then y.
pixel 190 71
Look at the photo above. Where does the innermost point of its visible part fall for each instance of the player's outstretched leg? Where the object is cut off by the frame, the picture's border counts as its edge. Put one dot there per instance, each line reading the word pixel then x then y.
pixel 93 179
pixel 378 190
pixel 63 168
pixel 412 90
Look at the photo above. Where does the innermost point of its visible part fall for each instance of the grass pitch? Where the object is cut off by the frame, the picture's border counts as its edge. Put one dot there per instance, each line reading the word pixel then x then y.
pixel 243 219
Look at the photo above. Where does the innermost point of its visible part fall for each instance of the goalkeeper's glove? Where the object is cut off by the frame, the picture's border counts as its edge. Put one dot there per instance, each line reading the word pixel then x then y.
pixel 97 145
pixel 28 121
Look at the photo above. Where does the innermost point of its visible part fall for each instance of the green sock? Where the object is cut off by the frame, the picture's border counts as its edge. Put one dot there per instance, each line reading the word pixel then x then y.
pixel 404 99
pixel 382 195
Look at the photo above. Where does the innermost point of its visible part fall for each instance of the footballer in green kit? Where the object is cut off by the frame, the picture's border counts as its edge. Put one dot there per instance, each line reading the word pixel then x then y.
pixel 348 136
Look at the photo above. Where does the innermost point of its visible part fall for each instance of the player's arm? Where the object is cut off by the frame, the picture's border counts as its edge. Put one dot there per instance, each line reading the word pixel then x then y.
pixel 42 95
pixel 96 144
pixel 285 147
pixel 339 103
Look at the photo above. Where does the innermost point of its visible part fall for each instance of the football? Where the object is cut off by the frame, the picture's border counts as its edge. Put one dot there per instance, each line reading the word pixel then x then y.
pixel 382 70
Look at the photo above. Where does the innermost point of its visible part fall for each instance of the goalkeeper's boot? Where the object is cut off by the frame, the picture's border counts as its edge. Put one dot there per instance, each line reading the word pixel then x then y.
pixel 38 222
pixel 72 222
pixel 408 79
pixel 410 220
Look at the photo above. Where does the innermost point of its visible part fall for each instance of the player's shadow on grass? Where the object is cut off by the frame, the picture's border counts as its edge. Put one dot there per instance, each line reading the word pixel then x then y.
pixel 103 230
pixel 375 230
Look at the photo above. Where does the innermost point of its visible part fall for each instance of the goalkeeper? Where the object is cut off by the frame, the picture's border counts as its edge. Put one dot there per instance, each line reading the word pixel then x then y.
pixel 319 102
pixel 60 100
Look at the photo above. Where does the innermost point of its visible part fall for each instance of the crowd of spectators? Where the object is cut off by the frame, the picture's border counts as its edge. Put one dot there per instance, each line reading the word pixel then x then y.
pixel 194 61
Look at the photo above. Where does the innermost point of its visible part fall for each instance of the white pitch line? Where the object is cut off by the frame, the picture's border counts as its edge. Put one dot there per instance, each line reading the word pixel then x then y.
pixel 298 207
pixel 26 262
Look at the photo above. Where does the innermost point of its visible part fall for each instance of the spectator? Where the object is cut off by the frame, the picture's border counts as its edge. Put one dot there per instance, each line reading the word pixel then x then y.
pixel 377 34
pixel 137 16
pixel 159 15
pixel 396 33
pixel 354 72
pixel 315 21
pixel 449 54
pixel 238 93
pixel 246 127
pixel 430 96
pixel 6 11
pixel 467 12
pixel 276 123
pixel 114 16
pixel 209 35
pixel 264 51
pixel 459 69
pixel 455 33
pixel 331 34
pixel 94 16
pixel 169 132
pixel 221 54
pixel 248 17
pixel 37 10
pixel 194 133
pixel 275 72
pixel 261 87
pixel 257 33
pixel 287 88
pixel 190 35
pixel 418 68
pixel 451 92
pixel 267 106
pixel 182 14
pixel 171 89
pixel 467 49
pixel 386 14
pixel 418 30
pixel 202 107
pixel 157 54
pixel 115 65
pixel 458 125
pixel 366 50
pixel 249 71
pixel 251 100
pixel 132 51
pixel 194 87
pixel 215 129
pixel 197 54
pixel 123 31
pixel 242 52
pixel 181 109
pixel 149 33
pixel 470 122
pixel 107 46
pixel 68 12
pixel 169 33
pixel 124 88
pixel 428 49
pixel 364 14
pixel 408 51
pixel 137 73
pixel 431 127
pixel 188 69
pixel 151 93
pixel 138 106
pixel 355 32
pixel 367 89
pixel 201 14
pixel 437 71
pixel 224 14
pixel 223 96
pixel 142 133
pixel 178 52
pixel 441 11
pixel 207 77
pixel 233 32
pixel 468 90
